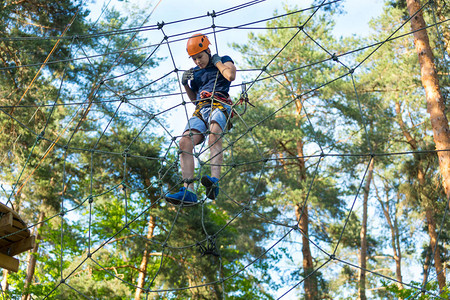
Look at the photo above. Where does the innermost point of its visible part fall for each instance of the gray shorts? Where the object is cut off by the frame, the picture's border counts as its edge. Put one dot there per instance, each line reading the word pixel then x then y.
pixel 217 116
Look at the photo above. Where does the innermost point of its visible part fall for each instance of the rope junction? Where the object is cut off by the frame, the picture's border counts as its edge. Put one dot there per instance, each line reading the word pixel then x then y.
pixel 208 246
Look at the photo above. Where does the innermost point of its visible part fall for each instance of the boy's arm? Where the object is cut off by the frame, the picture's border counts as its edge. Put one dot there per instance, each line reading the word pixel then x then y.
pixel 227 69
pixel 191 94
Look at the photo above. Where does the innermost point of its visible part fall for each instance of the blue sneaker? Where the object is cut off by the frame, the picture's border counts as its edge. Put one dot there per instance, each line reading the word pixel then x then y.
pixel 212 186
pixel 184 196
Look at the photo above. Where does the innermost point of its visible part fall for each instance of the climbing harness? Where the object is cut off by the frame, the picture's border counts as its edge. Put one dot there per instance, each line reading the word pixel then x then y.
pixel 216 100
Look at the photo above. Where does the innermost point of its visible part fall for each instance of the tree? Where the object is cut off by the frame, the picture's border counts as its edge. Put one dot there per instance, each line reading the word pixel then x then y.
pixel 413 136
pixel 383 79
pixel 390 74
pixel 282 132
pixel 23 124
pixel 435 101
pixel 37 137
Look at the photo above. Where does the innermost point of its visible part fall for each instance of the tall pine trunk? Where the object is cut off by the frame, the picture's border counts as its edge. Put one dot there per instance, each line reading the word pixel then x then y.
pixel 434 247
pixel 435 101
pixel 310 283
pixel 301 213
pixel 397 249
pixel 395 234
pixel 426 266
pixel 144 261
pixel 431 225
pixel 32 259
pixel 439 122
pixel 363 237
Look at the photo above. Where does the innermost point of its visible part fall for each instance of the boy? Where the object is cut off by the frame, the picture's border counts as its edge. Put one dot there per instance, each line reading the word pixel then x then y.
pixel 210 83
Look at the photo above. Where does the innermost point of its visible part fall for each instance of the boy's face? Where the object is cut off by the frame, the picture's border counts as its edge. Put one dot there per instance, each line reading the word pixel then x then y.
pixel 201 59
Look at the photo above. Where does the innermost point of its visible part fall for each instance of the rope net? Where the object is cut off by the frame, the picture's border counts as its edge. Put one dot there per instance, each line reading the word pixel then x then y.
pixel 108 186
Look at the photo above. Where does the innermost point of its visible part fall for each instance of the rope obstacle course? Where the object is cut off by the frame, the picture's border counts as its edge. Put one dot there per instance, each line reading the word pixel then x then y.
pixel 208 246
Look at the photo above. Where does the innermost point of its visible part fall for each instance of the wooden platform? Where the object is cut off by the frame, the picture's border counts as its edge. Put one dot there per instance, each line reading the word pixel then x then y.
pixel 15 238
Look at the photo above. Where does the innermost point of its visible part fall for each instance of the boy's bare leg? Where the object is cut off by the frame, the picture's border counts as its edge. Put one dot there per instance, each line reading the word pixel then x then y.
pixel 186 156
pixel 215 144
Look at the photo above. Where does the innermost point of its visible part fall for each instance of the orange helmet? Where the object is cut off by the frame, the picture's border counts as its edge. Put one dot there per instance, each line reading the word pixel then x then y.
pixel 197 43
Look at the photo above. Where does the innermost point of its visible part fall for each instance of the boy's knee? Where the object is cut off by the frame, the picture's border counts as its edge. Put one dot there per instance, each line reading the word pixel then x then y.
pixel 190 139
pixel 186 144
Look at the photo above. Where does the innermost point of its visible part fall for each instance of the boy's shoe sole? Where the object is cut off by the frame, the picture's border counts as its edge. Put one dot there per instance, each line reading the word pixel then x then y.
pixel 209 185
pixel 177 201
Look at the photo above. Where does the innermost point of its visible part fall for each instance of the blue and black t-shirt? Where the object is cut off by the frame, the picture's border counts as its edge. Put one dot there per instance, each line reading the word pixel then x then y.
pixel 205 79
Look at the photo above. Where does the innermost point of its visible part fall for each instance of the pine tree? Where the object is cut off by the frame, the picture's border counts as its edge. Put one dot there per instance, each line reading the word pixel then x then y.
pixel 283 133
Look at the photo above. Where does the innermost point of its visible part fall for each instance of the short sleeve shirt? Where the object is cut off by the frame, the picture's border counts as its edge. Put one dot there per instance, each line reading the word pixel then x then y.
pixel 205 79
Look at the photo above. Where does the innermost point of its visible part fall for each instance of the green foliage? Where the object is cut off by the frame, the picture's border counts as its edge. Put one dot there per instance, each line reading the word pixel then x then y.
pixel 281 178
pixel 431 289
pixel 388 78
pixel 48 177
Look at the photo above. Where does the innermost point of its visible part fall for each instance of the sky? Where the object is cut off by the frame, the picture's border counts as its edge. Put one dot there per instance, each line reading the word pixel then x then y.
pixel 355 19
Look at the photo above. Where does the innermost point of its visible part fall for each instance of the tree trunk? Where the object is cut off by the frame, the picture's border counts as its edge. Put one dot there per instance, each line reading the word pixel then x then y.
pixel 435 101
pixel 397 249
pixel 144 261
pixel 310 284
pixel 5 284
pixel 363 237
pixel 395 235
pixel 32 259
pixel 426 266
pixel 431 223
pixel 434 246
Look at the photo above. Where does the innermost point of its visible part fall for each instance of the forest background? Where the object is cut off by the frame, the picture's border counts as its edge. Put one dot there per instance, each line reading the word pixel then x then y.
pixel 332 187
